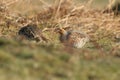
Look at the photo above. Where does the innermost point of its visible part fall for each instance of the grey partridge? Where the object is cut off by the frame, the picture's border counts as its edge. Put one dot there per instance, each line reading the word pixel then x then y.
pixel 73 38
pixel 32 32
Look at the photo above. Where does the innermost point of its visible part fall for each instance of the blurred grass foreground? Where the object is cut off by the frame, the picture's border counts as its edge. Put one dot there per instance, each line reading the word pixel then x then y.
pixel 99 59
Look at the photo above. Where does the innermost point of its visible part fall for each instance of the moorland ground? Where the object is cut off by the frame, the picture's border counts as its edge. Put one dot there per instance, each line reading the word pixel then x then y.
pixel 99 59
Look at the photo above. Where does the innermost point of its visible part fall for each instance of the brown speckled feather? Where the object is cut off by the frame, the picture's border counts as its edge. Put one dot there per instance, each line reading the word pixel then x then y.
pixel 75 39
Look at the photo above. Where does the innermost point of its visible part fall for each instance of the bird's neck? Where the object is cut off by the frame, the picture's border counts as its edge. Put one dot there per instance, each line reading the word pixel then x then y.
pixel 64 36
pixel 63 32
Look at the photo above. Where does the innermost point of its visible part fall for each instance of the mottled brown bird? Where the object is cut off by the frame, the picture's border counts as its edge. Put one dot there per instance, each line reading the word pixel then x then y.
pixel 32 32
pixel 73 38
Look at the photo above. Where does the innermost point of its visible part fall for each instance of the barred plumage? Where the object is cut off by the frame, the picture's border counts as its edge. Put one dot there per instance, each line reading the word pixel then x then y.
pixel 32 32
pixel 73 38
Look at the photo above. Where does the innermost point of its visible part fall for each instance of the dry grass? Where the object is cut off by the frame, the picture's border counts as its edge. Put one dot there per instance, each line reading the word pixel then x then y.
pixel 102 28
pixel 34 61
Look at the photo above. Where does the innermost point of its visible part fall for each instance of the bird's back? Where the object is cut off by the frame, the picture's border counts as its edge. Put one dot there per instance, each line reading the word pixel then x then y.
pixel 29 32
pixel 76 39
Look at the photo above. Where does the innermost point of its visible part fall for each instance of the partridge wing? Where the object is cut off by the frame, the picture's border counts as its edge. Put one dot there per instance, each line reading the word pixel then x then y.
pixel 77 39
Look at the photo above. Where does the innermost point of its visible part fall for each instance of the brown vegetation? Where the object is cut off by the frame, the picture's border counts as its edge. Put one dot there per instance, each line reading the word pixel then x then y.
pixel 99 59
pixel 97 25
pixel 113 6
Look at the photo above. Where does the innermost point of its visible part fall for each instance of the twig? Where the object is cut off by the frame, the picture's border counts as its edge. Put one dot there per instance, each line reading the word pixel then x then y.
pixel 11 2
